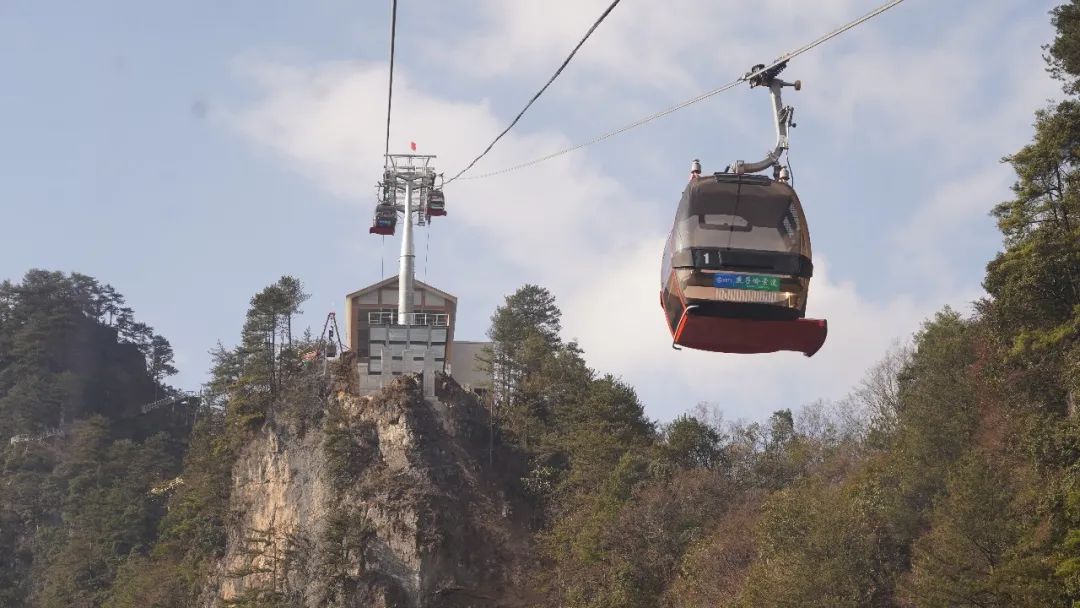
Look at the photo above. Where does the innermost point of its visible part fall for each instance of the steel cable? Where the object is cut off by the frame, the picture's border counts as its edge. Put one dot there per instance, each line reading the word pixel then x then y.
pixel 689 102
pixel 538 93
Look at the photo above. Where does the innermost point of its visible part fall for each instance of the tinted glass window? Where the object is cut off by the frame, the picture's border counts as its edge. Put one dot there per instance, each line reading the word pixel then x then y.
pixel 760 223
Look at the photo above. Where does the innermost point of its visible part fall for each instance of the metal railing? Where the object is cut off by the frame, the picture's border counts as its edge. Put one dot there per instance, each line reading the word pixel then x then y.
pixel 431 319
pixel 381 318
pixel 183 396
pixel 167 486
pixel 53 432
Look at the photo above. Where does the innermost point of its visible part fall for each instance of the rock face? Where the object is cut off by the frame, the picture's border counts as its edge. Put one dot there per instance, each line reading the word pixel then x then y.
pixel 392 501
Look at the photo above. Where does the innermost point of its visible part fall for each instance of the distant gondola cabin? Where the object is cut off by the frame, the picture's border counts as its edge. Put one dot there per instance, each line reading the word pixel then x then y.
pixel 384 221
pixel 436 203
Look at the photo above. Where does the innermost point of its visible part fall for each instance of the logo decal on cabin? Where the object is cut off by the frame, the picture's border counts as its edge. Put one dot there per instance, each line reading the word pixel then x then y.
pixel 744 281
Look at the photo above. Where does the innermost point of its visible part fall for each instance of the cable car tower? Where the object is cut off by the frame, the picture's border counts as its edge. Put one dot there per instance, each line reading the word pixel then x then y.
pixel 407 341
pixel 407 188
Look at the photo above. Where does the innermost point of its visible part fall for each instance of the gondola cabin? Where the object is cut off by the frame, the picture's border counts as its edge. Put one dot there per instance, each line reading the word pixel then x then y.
pixel 436 203
pixel 737 266
pixel 385 220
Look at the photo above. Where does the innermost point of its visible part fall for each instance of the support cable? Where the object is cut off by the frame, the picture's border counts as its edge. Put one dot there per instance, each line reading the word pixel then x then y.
pixel 390 89
pixel 540 92
pixel 643 121
pixel 427 249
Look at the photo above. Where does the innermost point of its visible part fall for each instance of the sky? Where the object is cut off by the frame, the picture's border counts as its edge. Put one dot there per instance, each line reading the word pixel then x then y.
pixel 191 153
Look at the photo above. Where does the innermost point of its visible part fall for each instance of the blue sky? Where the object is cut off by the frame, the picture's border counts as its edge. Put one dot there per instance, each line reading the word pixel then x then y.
pixel 190 154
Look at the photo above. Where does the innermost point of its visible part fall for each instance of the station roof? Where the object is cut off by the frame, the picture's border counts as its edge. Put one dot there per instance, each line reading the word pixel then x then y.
pixel 393 281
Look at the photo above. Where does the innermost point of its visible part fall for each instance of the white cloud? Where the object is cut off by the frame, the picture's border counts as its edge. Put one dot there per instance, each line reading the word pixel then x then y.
pixel 578 232
pixel 644 44
pixel 618 321
pixel 951 90
pixel 593 240
pixel 953 220
pixel 871 81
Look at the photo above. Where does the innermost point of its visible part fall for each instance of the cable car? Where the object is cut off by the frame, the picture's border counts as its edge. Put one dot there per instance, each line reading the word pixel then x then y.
pixel 436 203
pixel 385 220
pixel 736 268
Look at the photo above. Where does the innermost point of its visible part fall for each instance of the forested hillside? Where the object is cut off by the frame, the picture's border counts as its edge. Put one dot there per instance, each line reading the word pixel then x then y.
pixel 949 477
pixel 80 457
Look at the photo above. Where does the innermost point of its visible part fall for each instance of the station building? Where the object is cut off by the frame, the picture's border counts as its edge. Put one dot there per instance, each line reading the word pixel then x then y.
pixel 422 343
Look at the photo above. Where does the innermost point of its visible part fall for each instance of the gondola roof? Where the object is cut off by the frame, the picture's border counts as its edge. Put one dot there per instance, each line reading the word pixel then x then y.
pixel 748 187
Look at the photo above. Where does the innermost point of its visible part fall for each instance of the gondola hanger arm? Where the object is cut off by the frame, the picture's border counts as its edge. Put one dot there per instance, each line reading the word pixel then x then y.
pixel 781 115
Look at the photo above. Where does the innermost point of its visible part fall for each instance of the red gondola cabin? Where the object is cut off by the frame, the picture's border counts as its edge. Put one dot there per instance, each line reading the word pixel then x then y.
pixel 385 220
pixel 436 203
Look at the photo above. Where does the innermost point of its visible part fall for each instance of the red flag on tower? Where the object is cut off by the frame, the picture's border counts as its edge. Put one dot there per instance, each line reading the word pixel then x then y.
pixel 412 144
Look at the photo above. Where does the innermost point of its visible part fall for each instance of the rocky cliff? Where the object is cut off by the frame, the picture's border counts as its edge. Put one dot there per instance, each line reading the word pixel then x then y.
pixel 391 500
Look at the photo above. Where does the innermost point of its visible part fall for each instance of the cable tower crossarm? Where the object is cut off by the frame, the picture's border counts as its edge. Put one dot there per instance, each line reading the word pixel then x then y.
pixel 689 102
pixel 565 62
